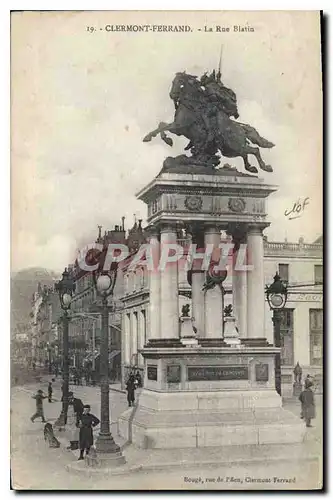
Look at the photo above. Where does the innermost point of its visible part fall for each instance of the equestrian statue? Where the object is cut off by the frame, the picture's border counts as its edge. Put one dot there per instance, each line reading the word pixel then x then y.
pixel 206 113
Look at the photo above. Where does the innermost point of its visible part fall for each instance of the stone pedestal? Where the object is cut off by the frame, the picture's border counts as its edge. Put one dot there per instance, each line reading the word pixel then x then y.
pixel 218 396
pixel 212 389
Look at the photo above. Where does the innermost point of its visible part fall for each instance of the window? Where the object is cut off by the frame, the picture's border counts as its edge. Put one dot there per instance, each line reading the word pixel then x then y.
pixel 287 337
pixel 284 272
pixel 316 336
pixel 318 274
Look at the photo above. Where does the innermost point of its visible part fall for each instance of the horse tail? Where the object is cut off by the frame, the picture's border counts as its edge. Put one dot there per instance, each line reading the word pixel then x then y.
pixel 254 137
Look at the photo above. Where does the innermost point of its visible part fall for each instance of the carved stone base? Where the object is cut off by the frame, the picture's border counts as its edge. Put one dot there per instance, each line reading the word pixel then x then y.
pixel 104 460
pixel 106 444
pixel 107 453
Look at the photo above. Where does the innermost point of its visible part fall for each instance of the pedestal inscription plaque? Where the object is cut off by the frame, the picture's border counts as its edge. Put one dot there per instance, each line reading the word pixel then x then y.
pixel 197 373
pixel 152 372
pixel 173 374
pixel 262 373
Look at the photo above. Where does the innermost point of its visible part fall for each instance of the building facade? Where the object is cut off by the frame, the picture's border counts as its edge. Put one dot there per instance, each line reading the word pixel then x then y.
pixel 45 319
pixel 301 268
pixel 85 318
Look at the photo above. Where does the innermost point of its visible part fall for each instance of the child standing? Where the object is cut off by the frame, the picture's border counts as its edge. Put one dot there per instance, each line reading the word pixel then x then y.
pixel 39 406
pixel 308 404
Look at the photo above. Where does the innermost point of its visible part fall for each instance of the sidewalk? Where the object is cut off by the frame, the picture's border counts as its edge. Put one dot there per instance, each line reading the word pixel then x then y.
pixel 286 459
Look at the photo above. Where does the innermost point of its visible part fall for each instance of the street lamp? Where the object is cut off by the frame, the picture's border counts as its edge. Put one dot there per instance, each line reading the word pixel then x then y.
pixel 65 288
pixel 106 447
pixel 277 294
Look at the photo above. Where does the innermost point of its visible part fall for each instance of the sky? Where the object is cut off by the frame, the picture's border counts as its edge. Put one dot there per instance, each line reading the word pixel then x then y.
pixel 81 103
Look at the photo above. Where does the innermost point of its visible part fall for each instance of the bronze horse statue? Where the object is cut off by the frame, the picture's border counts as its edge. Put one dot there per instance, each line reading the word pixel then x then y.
pixel 209 126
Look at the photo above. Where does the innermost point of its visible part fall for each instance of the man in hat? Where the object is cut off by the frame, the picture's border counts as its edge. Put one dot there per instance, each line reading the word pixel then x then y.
pixel 86 423
pixel 39 406
pixel 308 404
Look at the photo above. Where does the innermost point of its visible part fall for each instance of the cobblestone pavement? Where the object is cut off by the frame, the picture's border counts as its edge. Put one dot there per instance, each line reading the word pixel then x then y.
pixel 35 466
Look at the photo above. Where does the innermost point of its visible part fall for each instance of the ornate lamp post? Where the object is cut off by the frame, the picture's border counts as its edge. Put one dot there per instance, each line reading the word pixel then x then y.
pixel 277 294
pixel 65 288
pixel 106 447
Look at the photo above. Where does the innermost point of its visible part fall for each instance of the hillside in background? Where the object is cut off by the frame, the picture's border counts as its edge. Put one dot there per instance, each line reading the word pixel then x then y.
pixel 23 285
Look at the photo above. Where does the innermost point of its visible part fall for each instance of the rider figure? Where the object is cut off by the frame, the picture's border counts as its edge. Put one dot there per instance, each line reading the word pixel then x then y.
pixel 219 96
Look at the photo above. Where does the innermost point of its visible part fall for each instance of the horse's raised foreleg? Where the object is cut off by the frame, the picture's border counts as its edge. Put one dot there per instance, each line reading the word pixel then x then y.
pixel 262 164
pixel 162 127
pixel 166 139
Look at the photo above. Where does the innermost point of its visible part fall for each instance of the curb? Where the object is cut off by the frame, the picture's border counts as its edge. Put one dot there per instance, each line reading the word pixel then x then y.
pixel 82 469
pixel 117 390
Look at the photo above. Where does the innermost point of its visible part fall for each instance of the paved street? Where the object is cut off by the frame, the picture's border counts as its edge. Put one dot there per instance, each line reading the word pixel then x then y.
pixel 35 466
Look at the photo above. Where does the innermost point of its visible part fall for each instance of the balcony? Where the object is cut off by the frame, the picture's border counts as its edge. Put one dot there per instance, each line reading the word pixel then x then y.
pixel 285 249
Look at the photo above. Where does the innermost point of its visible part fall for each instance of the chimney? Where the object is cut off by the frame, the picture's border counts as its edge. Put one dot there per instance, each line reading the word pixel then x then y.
pixel 123 223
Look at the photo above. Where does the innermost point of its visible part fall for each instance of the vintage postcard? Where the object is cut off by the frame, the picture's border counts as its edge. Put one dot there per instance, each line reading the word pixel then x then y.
pixel 166 251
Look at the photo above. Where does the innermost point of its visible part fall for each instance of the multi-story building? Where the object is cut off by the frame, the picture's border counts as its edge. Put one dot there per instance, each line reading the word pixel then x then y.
pixel 45 316
pixel 299 265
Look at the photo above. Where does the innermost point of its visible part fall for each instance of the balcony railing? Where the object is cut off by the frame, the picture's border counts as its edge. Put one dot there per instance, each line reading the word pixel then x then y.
pixel 283 248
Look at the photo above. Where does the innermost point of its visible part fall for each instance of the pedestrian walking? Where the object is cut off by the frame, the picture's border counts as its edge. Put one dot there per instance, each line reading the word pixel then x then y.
pixel 34 366
pixel 130 388
pixel 49 392
pixel 138 379
pixel 39 406
pixel 308 404
pixel 86 438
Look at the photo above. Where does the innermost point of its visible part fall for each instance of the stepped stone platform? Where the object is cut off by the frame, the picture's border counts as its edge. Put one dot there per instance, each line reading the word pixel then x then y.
pixel 210 419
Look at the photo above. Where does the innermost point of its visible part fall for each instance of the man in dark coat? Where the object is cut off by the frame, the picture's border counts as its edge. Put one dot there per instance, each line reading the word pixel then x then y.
pixel 130 388
pixel 86 423
pixel 39 406
pixel 308 404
